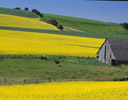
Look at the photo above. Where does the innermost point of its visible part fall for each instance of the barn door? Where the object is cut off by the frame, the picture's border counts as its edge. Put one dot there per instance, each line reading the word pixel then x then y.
pixel 113 62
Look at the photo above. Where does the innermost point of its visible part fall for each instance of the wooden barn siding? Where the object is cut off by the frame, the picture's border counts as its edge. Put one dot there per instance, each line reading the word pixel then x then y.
pixel 101 53
pixel 109 52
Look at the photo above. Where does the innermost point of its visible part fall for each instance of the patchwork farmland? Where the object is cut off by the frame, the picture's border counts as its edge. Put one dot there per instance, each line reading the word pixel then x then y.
pixel 25 37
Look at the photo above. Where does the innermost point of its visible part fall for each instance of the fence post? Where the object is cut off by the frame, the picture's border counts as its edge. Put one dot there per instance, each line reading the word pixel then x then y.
pixel 36 80
pixel 49 79
pixel 5 80
pixel 24 81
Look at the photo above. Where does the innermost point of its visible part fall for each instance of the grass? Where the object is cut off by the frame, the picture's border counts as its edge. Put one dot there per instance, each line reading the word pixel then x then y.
pixel 30 68
pixel 14 12
pixel 89 26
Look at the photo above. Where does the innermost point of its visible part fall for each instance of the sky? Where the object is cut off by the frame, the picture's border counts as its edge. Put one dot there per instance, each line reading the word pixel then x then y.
pixel 107 11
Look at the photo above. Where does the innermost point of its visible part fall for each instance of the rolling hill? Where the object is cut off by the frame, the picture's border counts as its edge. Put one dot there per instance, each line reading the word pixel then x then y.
pixel 24 22
pixel 28 35
pixel 87 25
pixel 15 40
pixel 20 20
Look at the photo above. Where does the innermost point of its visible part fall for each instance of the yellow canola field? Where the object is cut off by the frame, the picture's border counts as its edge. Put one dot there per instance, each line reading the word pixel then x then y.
pixel 24 22
pixel 66 91
pixel 19 42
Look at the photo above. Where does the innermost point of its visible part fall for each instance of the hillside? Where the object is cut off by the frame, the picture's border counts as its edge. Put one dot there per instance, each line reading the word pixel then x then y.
pixel 22 35
pixel 20 20
pixel 24 22
pixel 38 37
pixel 88 26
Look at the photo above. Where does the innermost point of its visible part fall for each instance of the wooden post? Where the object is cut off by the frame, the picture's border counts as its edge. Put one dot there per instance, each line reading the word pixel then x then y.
pixel 5 80
pixel 36 80
pixel 49 79
pixel 24 81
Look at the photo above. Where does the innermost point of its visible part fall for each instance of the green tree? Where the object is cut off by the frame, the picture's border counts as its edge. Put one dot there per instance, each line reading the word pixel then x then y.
pixel 17 8
pixel 60 27
pixel 53 22
pixel 26 9
pixel 125 25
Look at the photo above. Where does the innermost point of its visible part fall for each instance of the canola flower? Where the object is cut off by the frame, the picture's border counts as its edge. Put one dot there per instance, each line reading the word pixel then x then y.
pixel 66 91
pixel 19 42
pixel 24 22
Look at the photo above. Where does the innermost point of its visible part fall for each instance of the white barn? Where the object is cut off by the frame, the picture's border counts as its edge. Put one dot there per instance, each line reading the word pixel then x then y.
pixel 114 52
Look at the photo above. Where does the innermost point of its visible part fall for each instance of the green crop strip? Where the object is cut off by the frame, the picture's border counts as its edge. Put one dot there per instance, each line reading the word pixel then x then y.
pixel 80 34
pixel 14 12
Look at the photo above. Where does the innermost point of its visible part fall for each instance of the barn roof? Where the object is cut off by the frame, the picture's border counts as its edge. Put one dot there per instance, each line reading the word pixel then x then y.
pixel 119 48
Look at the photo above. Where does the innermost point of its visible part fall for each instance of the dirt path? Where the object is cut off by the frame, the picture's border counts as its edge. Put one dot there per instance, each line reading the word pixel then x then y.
pixel 71 29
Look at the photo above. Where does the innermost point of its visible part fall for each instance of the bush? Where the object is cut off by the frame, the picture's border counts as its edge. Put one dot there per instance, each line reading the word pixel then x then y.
pixel 125 25
pixel 17 8
pixel 60 27
pixel 53 22
pixel 26 9
pixel 37 12
pixel 41 15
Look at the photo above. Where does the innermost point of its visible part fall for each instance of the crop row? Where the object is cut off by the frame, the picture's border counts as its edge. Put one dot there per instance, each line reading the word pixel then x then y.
pixel 18 42
pixel 66 91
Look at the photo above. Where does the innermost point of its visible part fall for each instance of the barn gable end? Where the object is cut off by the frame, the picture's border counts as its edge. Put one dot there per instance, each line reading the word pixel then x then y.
pixel 114 52
pixel 105 54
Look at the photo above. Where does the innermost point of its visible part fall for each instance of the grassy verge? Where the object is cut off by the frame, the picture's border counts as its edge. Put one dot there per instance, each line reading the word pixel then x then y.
pixel 17 69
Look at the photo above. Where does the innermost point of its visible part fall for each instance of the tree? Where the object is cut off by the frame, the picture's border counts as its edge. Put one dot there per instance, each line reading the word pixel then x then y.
pixel 35 10
pixel 125 25
pixel 53 22
pixel 60 27
pixel 26 9
pixel 17 8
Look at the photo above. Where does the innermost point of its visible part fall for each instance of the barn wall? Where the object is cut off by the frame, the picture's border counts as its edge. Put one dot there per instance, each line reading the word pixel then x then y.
pixel 109 53
pixel 105 56
pixel 101 53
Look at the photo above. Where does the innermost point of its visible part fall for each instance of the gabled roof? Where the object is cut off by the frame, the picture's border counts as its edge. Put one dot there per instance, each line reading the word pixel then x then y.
pixel 119 48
